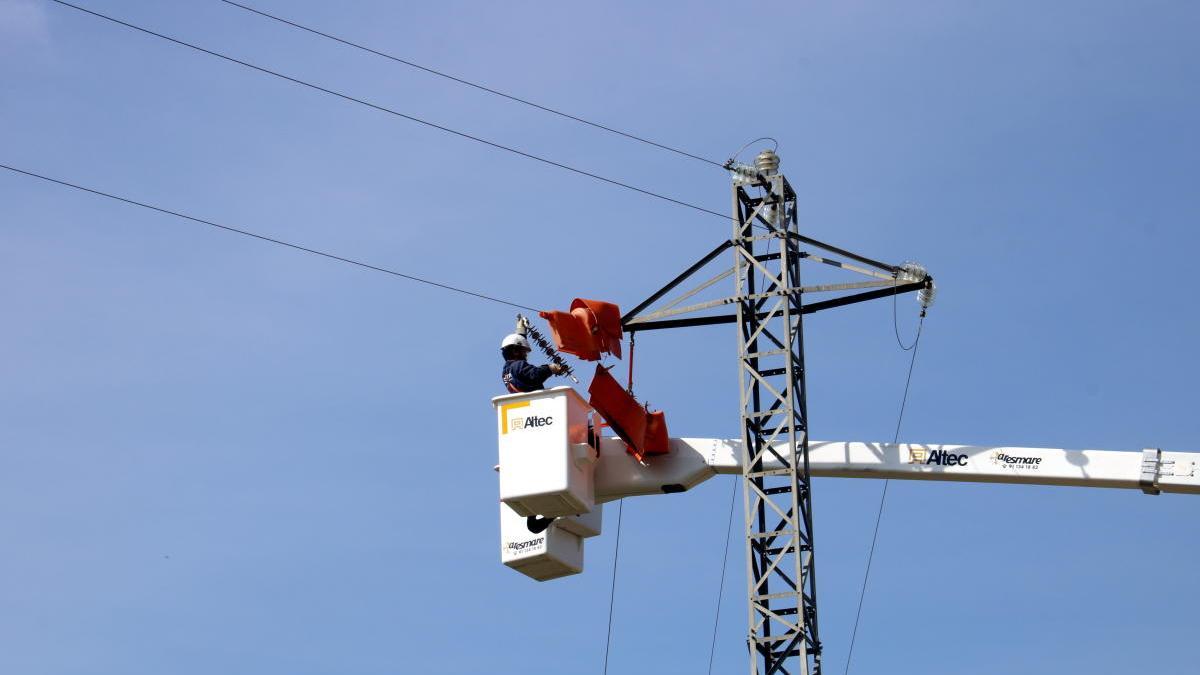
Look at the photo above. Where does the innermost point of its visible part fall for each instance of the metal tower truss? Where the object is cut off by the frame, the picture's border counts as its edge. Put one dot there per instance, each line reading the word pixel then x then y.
pixel 768 308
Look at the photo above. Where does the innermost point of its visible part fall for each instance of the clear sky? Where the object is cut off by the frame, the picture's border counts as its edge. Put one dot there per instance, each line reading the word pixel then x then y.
pixel 221 456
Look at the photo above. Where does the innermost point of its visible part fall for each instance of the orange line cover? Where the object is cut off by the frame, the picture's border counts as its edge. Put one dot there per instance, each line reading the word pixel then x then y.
pixel 591 328
pixel 643 431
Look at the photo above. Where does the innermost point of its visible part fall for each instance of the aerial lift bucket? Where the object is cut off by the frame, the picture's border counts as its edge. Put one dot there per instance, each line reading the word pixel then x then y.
pixel 547 486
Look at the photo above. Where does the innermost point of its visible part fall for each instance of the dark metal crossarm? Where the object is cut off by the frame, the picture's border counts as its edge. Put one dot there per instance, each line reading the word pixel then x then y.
pixel 898 289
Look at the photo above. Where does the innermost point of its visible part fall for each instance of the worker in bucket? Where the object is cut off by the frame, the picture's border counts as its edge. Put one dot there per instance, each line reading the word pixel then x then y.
pixel 520 375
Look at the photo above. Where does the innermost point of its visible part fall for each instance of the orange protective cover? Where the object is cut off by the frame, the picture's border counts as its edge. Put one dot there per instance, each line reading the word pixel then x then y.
pixel 572 335
pixel 591 328
pixel 604 324
pixel 643 431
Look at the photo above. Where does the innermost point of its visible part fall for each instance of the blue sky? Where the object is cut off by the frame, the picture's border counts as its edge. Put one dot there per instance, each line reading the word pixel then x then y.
pixel 218 455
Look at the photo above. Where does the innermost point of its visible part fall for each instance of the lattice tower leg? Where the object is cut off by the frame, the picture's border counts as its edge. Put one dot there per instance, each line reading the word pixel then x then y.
pixel 783 634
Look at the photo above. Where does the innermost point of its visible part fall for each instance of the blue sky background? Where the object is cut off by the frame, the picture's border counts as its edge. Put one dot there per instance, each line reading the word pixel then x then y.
pixel 220 456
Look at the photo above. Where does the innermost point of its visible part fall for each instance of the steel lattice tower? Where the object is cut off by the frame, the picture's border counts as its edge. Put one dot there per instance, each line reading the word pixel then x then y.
pixel 766 243
pixel 778 501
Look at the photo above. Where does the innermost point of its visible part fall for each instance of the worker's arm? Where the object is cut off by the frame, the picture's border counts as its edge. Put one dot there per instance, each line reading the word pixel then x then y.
pixel 533 374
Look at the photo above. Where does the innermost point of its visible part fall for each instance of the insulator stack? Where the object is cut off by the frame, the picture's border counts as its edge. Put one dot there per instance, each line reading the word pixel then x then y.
pixel 544 345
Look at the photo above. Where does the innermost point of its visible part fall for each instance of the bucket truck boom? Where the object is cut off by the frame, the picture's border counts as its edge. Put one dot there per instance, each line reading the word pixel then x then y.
pixel 554 477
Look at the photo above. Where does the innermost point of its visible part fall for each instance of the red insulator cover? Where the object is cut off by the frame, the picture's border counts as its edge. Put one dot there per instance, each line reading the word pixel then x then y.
pixel 643 431
pixel 571 335
pixel 604 324
pixel 590 329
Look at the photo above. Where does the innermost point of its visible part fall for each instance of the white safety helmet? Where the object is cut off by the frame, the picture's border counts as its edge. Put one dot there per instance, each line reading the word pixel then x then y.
pixel 515 340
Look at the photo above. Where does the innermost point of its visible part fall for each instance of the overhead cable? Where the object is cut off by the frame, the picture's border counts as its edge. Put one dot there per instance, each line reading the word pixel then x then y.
pixel 896 326
pixel 265 238
pixel 391 111
pixel 612 592
pixel 883 494
pixel 476 85
pixel 712 650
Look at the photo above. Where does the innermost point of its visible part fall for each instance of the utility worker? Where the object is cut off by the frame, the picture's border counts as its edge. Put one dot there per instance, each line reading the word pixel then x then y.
pixel 519 375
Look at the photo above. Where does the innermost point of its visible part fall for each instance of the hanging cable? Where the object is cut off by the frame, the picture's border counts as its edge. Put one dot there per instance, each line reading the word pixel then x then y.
pixel 265 238
pixel 734 157
pixel 612 592
pixel 468 83
pixel 883 495
pixel 712 650
pixel 397 113
pixel 908 378
pixel 896 322
pixel 912 271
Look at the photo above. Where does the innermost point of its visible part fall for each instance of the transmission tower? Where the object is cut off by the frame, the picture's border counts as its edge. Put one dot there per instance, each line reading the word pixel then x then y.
pixel 768 250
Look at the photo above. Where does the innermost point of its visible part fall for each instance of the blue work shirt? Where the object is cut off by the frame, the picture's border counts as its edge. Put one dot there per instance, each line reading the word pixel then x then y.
pixel 521 376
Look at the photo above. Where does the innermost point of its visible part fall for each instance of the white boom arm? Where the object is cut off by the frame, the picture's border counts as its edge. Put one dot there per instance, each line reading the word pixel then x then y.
pixel 552 482
pixel 694 460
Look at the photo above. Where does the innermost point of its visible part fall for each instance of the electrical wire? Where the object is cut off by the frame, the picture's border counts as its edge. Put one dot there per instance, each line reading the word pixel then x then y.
pixel 896 322
pixel 612 592
pixel 468 83
pixel 391 111
pixel 721 587
pixel 734 156
pixel 883 497
pixel 265 238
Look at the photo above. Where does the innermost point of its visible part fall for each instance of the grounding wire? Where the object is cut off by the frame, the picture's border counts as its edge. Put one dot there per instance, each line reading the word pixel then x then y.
pixel 883 497
pixel 712 650
pixel 466 82
pixel 265 238
pixel 612 591
pixel 391 111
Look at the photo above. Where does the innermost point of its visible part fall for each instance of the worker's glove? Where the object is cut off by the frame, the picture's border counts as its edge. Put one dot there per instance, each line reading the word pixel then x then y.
pixel 557 369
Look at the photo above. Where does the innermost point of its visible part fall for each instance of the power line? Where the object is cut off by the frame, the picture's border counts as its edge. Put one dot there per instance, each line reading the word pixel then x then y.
pixel 468 83
pixel 712 650
pixel 612 592
pixel 392 111
pixel 896 323
pixel 883 494
pixel 265 238
pixel 908 378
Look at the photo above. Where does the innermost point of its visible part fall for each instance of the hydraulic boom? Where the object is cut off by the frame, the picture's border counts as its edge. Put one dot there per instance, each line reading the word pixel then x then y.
pixel 694 460
pixel 555 475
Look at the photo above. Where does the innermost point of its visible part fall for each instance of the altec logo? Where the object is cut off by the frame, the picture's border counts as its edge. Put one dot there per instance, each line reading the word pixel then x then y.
pixel 528 422
pixel 939 457
pixel 508 424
